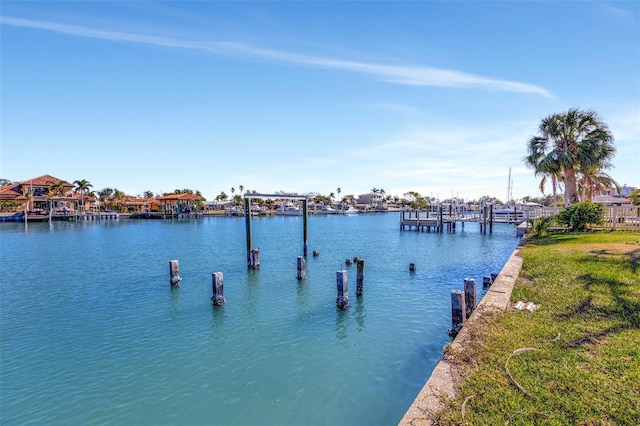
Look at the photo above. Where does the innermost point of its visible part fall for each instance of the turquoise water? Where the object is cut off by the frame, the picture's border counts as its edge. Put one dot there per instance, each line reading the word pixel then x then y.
pixel 92 333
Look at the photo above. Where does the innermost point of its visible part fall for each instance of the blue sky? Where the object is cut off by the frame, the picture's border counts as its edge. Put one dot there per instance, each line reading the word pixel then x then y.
pixel 434 97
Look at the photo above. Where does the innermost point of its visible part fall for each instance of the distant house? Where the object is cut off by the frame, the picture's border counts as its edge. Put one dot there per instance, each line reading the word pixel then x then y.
pixel 371 199
pixel 609 200
pixel 625 191
pixel 179 203
pixel 45 192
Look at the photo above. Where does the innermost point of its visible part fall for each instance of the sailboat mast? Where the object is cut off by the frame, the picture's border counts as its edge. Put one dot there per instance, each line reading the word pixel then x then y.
pixel 509 187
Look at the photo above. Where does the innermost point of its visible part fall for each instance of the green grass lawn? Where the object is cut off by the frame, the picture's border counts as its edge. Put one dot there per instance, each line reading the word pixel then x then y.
pixel 585 369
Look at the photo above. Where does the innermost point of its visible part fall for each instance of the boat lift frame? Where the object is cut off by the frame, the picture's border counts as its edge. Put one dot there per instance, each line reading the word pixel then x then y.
pixel 247 215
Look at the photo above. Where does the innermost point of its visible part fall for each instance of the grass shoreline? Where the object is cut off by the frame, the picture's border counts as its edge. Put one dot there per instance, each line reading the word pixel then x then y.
pixel 576 359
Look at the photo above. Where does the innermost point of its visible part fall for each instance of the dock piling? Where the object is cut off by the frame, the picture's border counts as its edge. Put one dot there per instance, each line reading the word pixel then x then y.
pixel 254 260
pixel 217 286
pixel 458 309
pixel 174 273
pixel 301 272
pixel 360 277
pixel 342 301
pixel 469 295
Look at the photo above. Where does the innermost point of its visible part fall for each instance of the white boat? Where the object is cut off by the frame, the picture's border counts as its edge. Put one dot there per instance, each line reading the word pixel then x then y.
pixel 288 209
pixel 349 210
pixel 257 209
pixel 327 209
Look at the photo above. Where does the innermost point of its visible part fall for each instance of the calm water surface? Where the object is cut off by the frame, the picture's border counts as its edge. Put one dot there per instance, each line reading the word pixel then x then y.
pixel 92 333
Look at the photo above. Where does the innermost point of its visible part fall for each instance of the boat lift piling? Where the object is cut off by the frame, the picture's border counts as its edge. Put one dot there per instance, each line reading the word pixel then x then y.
pixel 252 254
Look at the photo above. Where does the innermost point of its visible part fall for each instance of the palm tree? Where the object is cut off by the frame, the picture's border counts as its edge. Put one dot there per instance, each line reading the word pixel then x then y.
pixel 26 193
pixel 241 189
pixel 570 142
pixel 82 186
pixel 148 194
pixel 118 197
pixel 593 182
pixel 105 195
pixel 548 168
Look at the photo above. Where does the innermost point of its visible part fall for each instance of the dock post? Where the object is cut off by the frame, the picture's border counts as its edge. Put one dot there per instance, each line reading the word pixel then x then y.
pixel 469 295
pixel 217 286
pixel 254 260
pixel 305 229
pixel 316 253
pixel 360 277
pixel 491 218
pixel 301 272
pixel 247 220
pixel 457 312
pixel 412 267
pixel 174 273
pixel 342 301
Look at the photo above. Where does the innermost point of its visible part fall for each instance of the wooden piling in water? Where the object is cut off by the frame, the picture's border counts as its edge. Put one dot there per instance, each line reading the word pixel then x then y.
pixel 247 221
pixel 254 260
pixel 412 267
pixel 342 301
pixel 469 295
pixel 217 287
pixel 458 310
pixel 305 228
pixel 491 218
pixel 360 277
pixel 174 273
pixel 301 272
pixel 316 253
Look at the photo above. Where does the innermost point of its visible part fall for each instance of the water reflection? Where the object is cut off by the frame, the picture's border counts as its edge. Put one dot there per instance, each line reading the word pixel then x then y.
pixel 360 312
pixel 342 321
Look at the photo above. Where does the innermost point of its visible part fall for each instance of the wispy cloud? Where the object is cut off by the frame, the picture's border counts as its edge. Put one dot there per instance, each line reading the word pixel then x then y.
pixel 412 75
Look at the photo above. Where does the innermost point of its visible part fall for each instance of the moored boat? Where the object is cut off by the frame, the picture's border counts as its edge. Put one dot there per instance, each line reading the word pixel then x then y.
pixel 288 209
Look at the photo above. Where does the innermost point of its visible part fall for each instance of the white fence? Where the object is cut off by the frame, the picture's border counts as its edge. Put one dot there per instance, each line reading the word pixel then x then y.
pixel 615 217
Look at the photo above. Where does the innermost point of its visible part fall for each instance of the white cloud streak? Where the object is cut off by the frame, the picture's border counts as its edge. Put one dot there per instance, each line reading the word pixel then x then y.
pixel 411 75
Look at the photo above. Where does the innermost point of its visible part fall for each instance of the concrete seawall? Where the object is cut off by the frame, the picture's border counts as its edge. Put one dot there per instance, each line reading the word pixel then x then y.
pixel 443 383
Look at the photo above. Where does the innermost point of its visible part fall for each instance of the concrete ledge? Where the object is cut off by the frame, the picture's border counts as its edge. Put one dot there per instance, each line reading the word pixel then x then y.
pixel 444 380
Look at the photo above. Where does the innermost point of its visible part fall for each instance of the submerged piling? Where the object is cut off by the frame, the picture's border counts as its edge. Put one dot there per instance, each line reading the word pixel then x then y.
pixel 301 272
pixel 174 273
pixel 469 295
pixel 360 277
pixel 342 301
pixel 217 287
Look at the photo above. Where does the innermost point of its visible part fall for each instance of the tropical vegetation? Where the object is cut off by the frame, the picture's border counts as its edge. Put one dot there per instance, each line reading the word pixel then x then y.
pixel 572 148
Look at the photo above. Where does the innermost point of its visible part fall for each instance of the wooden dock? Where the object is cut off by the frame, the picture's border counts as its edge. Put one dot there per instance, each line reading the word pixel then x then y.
pixel 440 218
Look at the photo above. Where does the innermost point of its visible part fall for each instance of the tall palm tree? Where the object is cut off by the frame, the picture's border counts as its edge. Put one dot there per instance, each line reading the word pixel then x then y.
pixel 82 187
pixel 569 142
pixel 241 189
pixel 148 194
pixel 26 193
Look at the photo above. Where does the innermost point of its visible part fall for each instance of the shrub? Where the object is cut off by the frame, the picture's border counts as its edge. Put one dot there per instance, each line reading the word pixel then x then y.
pixel 539 227
pixel 579 215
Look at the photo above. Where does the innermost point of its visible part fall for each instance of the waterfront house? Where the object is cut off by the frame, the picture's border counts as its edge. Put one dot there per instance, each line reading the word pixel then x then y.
pixel 43 193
